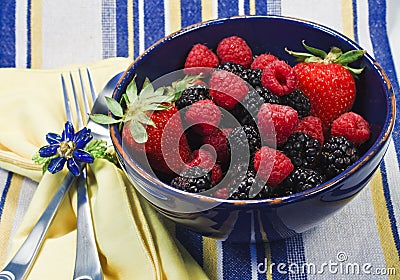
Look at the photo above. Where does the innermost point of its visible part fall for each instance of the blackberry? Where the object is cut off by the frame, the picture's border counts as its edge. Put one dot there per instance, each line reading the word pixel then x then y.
pixel 302 179
pixel 337 154
pixel 267 95
pixel 302 149
pixel 234 68
pixel 192 95
pixel 195 179
pixel 246 110
pixel 237 139
pixel 245 184
pixel 298 101
pixel 252 76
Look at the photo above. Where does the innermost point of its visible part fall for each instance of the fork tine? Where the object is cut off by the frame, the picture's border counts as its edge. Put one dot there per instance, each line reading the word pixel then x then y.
pixel 92 89
pixel 77 110
pixel 85 99
pixel 67 103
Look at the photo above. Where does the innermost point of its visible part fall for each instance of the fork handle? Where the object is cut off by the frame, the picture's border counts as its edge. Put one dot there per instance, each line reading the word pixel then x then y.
pixel 20 265
pixel 87 264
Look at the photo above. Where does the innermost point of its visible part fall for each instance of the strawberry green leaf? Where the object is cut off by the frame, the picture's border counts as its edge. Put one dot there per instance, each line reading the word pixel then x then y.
pixel 147 91
pixel 138 132
pixel 159 91
pixel 145 119
pixel 300 56
pixel 131 91
pixel 114 107
pixel 103 119
pixel 314 51
pixel 349 57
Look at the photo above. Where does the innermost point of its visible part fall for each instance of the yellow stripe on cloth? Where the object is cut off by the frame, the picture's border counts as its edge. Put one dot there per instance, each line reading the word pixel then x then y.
pixel 9 210
pixel 348 18
pixel 268 273
pixel 252 7
pixel 383 224
pixel 207 10
pixel 36 34
pixel 174 11
pixel 210 257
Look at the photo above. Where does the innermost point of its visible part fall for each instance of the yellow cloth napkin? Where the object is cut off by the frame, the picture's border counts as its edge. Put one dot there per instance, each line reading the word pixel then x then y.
pixel 132 241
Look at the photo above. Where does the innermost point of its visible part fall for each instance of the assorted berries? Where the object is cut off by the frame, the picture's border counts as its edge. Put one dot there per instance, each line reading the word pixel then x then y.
pixel 293 128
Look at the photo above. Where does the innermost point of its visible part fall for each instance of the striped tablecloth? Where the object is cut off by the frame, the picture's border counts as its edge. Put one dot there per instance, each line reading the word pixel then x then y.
pixel 364 235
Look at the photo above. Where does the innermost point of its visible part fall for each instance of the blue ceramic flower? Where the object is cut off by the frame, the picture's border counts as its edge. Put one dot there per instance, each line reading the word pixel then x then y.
pixel 67 148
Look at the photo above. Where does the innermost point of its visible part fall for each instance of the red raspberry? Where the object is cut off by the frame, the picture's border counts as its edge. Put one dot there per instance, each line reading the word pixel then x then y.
pixel 352 126
pixel 279 78
pixel 312 126
pixel 227 89
pixel 276 122
pixel 216 174
pixel 206 160
pixel 261 61
pixel 202 158
pixel 200 56
pixel 272 165
pixel 222 193
pixel 234 49
pixel 218 139
pixel 204 115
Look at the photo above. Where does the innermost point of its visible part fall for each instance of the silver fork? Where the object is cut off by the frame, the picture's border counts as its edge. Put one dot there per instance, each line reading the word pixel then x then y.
pixel 87 263
pixel 19 266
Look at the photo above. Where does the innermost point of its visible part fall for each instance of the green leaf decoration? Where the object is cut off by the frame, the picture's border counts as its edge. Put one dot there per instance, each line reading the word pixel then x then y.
pixel 138 132
pixel 43 161
pixel 114 107
pixel 103 119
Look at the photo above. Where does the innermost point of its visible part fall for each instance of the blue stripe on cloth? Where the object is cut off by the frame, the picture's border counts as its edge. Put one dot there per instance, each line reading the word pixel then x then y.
pixel 227 8
pixel 4 194
pixel 136 49
pixel 190 12
pixel 122 28
pixel 154 23
pixel 246 7
pixel 383 54
pixel 389 206
pixel 28 35
pixel 355 20
pixel 192 241
pixel 236 262
pixel 279 261
pixel 7 33
pixel 261 7
pixel 296 257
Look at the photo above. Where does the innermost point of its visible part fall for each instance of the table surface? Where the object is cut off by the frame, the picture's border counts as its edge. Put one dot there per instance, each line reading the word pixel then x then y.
pixel 50 34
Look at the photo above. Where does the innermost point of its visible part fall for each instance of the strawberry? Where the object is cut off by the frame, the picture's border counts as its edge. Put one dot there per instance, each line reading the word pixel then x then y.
pixel 327 81
pixel 152 126
pixel 161 137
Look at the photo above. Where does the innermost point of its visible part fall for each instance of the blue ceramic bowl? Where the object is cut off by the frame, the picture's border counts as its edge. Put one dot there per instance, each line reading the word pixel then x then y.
pixel 269 219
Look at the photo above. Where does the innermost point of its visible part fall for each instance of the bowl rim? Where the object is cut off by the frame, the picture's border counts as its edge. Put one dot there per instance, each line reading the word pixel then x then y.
pixel 379 143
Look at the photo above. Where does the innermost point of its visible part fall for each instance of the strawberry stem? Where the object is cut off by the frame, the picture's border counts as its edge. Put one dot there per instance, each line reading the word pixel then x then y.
pixel 335 56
